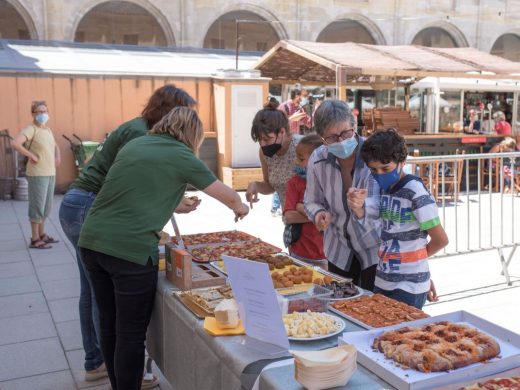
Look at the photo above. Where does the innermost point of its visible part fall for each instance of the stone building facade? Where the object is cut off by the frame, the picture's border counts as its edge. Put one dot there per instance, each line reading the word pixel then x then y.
pixel 488 25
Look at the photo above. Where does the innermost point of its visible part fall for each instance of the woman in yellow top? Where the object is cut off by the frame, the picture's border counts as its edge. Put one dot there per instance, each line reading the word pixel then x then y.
pixel 36 142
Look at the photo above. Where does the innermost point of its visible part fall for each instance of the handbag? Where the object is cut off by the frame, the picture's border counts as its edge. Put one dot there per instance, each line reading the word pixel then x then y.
pixel 292 233
pixel 26 159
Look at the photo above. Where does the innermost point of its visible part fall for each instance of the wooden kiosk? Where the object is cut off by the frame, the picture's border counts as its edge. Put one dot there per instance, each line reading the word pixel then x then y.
pixel 238 95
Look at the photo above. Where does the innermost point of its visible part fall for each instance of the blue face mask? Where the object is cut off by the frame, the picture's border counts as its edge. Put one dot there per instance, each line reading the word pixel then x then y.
pixel 42 118
pixel 300 171
pixel 344 148
pixel 304 101
pixel 387 180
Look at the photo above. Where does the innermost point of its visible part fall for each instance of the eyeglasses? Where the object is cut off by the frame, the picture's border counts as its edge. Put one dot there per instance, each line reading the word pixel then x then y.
pixel 345 134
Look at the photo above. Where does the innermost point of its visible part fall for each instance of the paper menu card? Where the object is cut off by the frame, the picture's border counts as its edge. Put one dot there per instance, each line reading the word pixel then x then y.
pixel 254 292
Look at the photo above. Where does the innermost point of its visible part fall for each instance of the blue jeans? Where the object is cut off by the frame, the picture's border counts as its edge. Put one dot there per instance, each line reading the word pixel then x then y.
pixel 275 202
pixel 73 211
pixel 416 300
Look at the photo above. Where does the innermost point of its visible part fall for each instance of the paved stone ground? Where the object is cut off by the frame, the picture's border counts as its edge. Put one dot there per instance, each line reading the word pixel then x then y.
pixel 40 340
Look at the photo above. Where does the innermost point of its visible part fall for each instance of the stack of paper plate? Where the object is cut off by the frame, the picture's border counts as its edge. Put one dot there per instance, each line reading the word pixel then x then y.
pixel 316 370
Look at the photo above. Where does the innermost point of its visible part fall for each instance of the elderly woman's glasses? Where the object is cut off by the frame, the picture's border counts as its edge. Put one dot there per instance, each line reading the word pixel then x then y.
pixel 345 134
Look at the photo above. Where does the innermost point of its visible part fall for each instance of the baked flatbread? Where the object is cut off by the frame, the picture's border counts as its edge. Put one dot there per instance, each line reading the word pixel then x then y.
pixel 437 347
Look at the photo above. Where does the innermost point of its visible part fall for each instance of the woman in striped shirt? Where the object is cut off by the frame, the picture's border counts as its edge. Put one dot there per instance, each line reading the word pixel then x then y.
pixel 333 170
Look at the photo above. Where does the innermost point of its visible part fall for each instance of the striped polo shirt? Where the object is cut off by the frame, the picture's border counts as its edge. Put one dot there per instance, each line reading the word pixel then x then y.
pixel 407 211
pixel 345 238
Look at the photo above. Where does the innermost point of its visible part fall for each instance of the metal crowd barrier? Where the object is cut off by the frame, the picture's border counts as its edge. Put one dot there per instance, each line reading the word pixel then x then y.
pixel 476 217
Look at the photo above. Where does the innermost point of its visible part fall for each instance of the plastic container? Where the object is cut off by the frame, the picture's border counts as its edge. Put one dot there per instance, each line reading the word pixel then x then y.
pixel 89 147
pixel 315 299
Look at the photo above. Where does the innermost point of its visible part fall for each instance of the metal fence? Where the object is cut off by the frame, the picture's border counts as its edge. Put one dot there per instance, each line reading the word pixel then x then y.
pixel 478 199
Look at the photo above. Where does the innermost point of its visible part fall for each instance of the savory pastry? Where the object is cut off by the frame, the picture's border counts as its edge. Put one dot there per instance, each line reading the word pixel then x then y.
pixel 496 384
pixel 248 249
pixel 437 347
pixel 378 311
pixel 215 238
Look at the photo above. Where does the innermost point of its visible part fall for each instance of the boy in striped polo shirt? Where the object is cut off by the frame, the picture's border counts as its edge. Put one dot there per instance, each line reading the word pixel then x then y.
pixel 408 215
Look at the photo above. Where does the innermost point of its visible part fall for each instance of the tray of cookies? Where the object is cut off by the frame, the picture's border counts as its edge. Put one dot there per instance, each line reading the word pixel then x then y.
pixel 376 311
pixel 436 351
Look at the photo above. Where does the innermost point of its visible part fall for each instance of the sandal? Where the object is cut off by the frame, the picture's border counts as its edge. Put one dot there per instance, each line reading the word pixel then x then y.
pixel 39 244
pixel 48 239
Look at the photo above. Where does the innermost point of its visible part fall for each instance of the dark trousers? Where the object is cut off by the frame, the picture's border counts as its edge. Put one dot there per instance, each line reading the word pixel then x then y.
pixel 125 293
pixel 363 278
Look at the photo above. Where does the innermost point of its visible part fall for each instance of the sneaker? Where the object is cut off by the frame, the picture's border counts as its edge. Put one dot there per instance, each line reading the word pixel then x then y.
pixel 97 373
pixel 147 384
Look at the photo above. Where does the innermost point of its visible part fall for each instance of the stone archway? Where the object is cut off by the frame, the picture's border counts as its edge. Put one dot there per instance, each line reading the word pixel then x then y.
pixel 440 34
pixel 352 28
pixel 507 46
pixel 258 31
pixel 124 22
pixel 15 21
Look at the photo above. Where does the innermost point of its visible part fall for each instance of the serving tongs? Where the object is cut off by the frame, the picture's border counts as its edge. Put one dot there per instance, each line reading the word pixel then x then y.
pixel 180 241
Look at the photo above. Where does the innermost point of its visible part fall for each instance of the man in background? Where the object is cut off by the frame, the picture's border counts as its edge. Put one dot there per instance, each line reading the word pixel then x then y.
pixel 299 120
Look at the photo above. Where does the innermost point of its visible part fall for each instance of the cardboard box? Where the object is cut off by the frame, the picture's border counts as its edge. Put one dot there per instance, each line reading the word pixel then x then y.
pixel 178 267
pixel 185 274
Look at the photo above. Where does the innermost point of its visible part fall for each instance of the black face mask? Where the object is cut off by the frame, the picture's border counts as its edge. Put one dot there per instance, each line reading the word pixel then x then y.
pixel 271 150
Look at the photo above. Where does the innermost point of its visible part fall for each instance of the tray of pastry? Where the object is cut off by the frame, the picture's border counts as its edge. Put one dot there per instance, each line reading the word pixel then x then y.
pixel 376 311
pixel 438 351
pixel 213 252
pixel 293 276
pixel 223 237
pixel 202 301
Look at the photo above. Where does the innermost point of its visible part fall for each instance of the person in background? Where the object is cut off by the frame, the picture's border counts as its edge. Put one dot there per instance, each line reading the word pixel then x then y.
pixel 82 193
pixel 409 217
pixel 472 123
pixel 119 239
pixel 277 153
pixel 298 118
pixel 333 168
pixel 276 207
pixel 502 127
pixel 309 246
pixel 36 142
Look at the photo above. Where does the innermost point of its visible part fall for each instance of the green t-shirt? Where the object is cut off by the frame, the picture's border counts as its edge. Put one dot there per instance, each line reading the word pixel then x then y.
pixel 93 175
pixel 144 186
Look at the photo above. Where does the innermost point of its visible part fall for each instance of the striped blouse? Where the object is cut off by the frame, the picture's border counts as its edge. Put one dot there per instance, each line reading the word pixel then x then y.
pixel 345 237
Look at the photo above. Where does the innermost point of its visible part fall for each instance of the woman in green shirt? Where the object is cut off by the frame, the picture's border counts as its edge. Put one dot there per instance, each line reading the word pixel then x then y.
pixel 79 198
pixel 119 239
